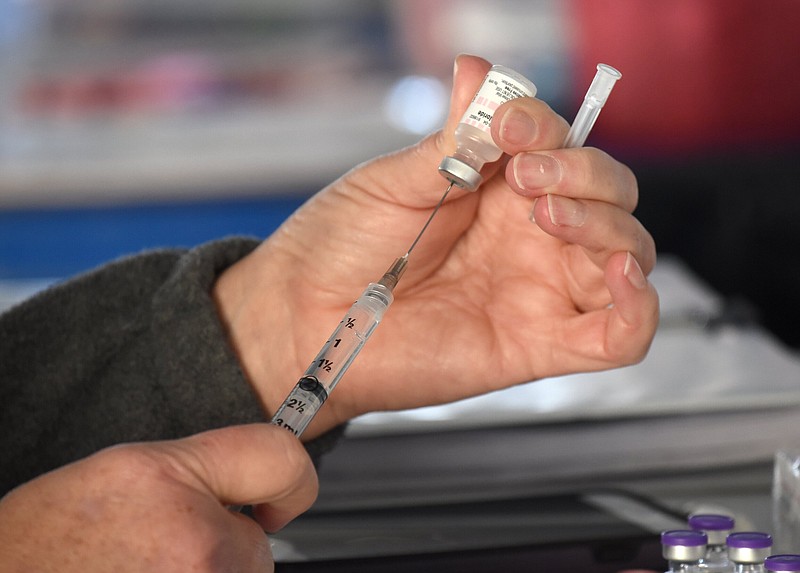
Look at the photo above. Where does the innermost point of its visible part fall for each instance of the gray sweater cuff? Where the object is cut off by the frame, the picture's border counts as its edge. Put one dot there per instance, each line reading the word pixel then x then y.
pixel 132 351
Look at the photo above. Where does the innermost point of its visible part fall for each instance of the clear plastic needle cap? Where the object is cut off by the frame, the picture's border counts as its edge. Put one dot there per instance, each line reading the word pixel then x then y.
pixel 602 84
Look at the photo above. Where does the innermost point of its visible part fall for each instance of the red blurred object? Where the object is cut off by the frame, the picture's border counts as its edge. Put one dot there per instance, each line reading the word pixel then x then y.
pixel 167 83
pixel 697 75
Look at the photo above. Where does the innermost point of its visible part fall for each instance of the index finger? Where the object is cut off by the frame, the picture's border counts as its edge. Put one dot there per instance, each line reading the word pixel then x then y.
pixel 585 173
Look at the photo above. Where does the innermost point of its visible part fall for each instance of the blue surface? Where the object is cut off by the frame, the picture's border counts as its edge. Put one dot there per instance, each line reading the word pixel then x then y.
pixel 60 242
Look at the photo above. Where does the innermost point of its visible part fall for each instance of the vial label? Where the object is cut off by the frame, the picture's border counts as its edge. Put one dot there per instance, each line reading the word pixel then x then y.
pixel 497 88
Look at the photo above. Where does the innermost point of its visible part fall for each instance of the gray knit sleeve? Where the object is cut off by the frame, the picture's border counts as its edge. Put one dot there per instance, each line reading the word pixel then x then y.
pixel 132 351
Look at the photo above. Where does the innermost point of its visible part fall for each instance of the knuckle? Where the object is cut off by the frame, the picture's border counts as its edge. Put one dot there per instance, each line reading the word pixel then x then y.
pixel 130 463
pixel 629 185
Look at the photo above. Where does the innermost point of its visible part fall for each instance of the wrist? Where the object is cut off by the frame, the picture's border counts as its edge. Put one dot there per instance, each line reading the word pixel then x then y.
pixel 250 325
pixel 254 307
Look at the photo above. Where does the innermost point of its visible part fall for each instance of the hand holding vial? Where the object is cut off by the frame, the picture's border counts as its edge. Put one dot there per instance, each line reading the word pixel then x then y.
pixel 490 300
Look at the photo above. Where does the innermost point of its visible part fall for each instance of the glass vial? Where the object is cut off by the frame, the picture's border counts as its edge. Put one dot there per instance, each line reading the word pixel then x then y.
pixel 683 549
pixel 747 551
pixel 474 143
pixel 716 527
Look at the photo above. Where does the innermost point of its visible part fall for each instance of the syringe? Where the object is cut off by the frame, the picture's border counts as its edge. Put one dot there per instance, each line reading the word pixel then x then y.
pixel 341 348
pixel 349 337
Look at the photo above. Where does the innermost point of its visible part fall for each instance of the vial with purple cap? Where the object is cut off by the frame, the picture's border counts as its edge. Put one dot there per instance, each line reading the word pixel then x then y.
pixel 683 549
pixel 716 527
pixel 748 550
pixel 782 563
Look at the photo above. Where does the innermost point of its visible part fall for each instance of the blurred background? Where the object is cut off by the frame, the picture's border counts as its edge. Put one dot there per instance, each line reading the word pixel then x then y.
pixel 131 124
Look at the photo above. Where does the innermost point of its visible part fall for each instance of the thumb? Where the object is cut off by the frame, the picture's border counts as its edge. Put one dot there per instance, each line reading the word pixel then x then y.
pixel 468 73
pixel 258 464
pixel 416 166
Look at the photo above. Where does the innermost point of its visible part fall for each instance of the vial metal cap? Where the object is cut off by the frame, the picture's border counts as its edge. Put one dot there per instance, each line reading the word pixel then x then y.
pixel 716 526
pixel 781 563
pixel 459 173
pixel 749 546
pixel 683 545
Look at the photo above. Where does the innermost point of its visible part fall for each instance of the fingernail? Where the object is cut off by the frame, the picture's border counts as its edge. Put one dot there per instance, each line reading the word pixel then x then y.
pixel 566 212
pixel 517 127
pixel 533 171
pixel 633 272
pixel 532 216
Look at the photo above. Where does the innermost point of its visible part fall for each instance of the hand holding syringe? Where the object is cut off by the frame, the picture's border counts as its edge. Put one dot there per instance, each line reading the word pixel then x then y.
pixel 475 147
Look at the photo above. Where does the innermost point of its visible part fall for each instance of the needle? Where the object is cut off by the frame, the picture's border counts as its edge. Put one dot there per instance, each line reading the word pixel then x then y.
pixel 424 228
pixel 392 276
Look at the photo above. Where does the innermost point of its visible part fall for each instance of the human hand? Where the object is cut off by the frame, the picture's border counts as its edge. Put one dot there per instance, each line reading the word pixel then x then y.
pixel 160 506
pixel 488 300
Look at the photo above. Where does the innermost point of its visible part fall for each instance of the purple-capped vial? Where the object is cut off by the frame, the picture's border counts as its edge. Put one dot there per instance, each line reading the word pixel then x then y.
pixel 716 527
pixel 749 549
pixel 683 548
pixel 782 563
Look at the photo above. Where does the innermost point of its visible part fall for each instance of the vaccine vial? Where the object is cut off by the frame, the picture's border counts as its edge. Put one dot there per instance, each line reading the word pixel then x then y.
pixel 474 144
pixel 716 527
pixel 747 551
pixel 683 549
pixel 782 563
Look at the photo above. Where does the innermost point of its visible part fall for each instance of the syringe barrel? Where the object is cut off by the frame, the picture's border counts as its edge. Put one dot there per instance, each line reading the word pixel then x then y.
pixel 333 360
pixel 350 335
